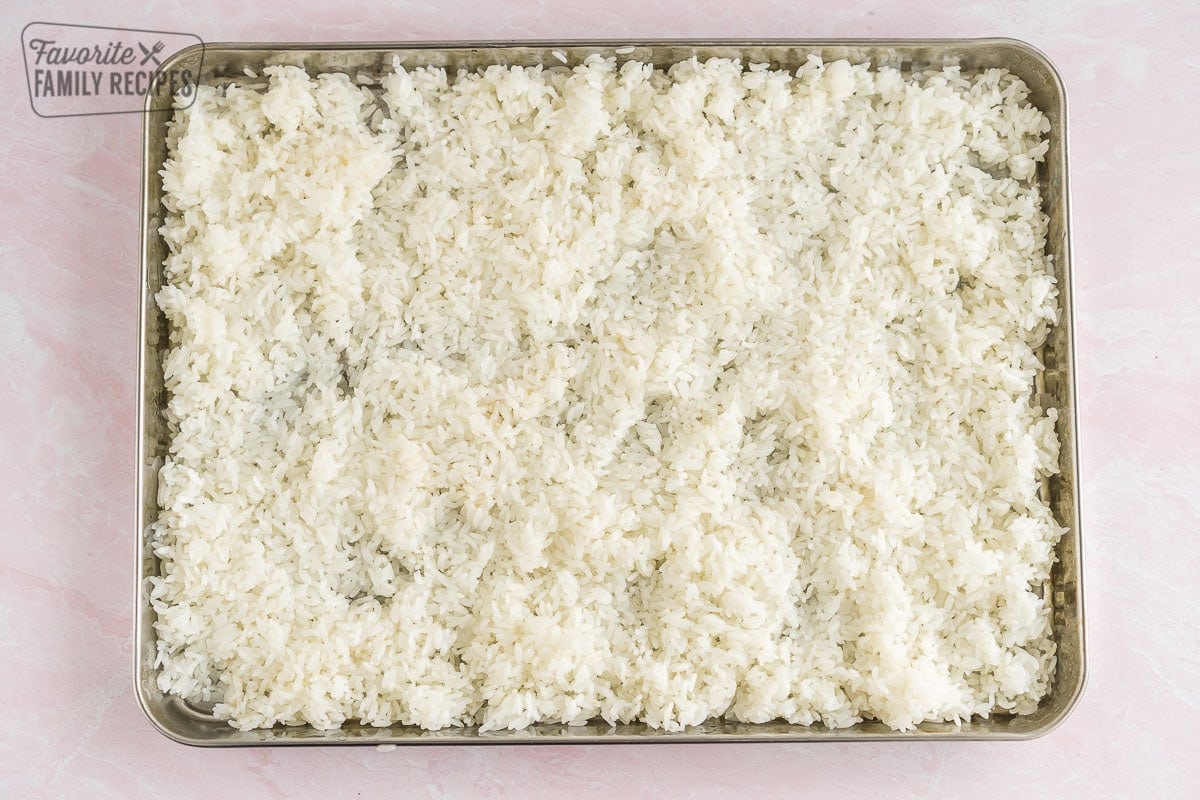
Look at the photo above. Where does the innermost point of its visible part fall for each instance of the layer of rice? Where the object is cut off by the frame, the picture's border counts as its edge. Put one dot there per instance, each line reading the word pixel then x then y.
pixel 552 395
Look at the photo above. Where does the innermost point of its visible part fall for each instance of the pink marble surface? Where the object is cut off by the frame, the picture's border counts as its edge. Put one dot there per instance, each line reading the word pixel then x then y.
pixel 69 725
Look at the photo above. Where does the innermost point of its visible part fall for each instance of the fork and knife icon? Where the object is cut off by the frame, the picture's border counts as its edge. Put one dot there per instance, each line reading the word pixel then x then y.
pixel 149 53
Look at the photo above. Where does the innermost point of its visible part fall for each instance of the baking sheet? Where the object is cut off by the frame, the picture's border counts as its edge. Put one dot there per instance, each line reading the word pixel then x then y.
pixel 215 63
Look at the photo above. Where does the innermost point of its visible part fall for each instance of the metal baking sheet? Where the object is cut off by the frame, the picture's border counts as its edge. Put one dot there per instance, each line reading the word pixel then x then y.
pixel 214 63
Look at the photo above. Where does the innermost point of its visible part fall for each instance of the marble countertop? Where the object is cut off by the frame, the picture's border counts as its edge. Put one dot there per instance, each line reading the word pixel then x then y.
pixel 68 325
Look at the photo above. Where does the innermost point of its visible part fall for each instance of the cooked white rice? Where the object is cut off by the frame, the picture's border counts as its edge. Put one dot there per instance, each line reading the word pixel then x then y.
pixel 553 395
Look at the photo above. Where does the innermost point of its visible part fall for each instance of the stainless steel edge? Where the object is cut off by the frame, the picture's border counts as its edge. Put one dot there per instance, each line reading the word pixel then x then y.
pixel 1068 696
pixel 186 725
pixel 152 706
